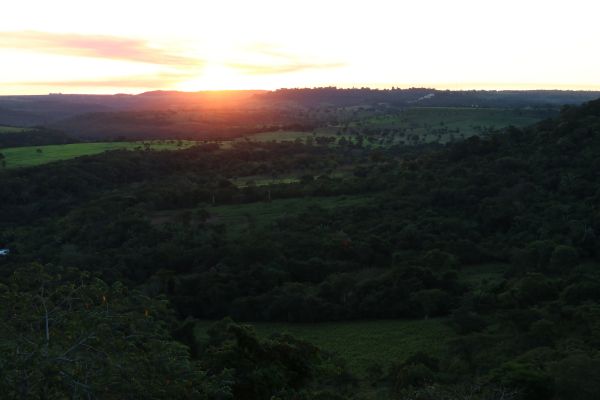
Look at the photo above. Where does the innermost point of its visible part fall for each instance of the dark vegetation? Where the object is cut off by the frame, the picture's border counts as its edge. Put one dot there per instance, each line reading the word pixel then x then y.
pixel 211 115
pixel 34 137
pixel 202 124
pixel 386 232
pixel 426 97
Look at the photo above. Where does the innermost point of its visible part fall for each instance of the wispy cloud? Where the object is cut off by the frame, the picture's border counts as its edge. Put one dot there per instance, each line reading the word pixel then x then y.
pixel 158 81
pixel 173 66
pixel 282 68
pixel 278 61
pixel 96 46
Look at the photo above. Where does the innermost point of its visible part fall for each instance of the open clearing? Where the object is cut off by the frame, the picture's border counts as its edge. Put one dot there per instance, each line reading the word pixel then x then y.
pixel 364 343
pixel 37 155
pixel 445 124
pixel 414 125
pixel 238 218
pixel 281 136
pixel 468 119
pixel 12 129
pixel 411 126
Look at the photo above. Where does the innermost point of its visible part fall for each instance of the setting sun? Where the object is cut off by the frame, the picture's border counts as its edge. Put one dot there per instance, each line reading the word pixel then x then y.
pixel 300 199
pixel 190 45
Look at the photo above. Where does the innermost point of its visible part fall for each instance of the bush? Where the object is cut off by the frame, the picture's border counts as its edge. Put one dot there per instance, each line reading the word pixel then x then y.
pixel 532 382
pixel 438 260
pixel 413 375
pixel 465 321
pixel 563 258
pixel 577 377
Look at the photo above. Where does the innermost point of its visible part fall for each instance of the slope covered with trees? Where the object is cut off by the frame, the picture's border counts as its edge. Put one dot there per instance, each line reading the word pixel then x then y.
pixel 391 232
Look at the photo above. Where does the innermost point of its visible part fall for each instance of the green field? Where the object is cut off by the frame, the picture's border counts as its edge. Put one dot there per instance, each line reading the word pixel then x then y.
pixel 238 218
pixel 265 180
pixel 364 343
pixel 414 125
pixel 457 117
pixel 248 181
pixel 279 136
pixel 11 129
pixel 445 124
pixel 411 126
pixel 418 125
pixel 36 155
pixel 286 136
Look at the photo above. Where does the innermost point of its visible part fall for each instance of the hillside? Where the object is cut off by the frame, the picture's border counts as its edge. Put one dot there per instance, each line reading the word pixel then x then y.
pixel 498 236
pixel 225 115
pixel 427 97
pixel 35 110
pixel 53 109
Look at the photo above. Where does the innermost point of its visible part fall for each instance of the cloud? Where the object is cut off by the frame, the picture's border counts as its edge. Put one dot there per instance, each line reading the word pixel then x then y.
pixel 156 81
pixel 96 46
pixel 260 69
pixel 278 61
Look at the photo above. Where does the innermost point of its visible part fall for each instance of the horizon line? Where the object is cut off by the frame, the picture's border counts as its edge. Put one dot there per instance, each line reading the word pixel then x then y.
pixel 441 88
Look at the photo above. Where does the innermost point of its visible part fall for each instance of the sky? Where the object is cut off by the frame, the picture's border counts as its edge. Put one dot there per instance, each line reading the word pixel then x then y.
pixel 131 46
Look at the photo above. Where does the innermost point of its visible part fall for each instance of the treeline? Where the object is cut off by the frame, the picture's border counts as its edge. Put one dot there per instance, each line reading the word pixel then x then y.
pixel 428 97
pixel 54 189
pixel 66 334
pixel 209 123
pixel 34 137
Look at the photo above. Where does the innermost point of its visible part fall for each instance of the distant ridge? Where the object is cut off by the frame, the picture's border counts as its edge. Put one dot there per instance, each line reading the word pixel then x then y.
pixel 32 110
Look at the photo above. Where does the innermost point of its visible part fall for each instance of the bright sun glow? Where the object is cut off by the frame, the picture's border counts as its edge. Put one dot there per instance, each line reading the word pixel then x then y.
pixel 116 46
pixel 213 78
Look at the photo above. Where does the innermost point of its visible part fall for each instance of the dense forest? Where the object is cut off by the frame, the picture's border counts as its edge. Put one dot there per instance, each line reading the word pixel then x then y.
pixel 38 136
pixel 113 257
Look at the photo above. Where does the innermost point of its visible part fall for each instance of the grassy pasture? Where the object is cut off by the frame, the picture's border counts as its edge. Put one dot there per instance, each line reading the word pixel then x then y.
pixel 11 129
pixel 279 136
pixel 418 125
pixel 428 124
pixel 294 177
pixel 444 124
pixel 239 217
pixel 37 155
pixel 364 343
pixel 284 136
pixel 248 181
pixel 460 117
pixel 274 136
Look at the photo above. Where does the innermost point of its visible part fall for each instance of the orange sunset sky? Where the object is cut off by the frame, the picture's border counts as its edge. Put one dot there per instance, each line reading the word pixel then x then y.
pixel 130 46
